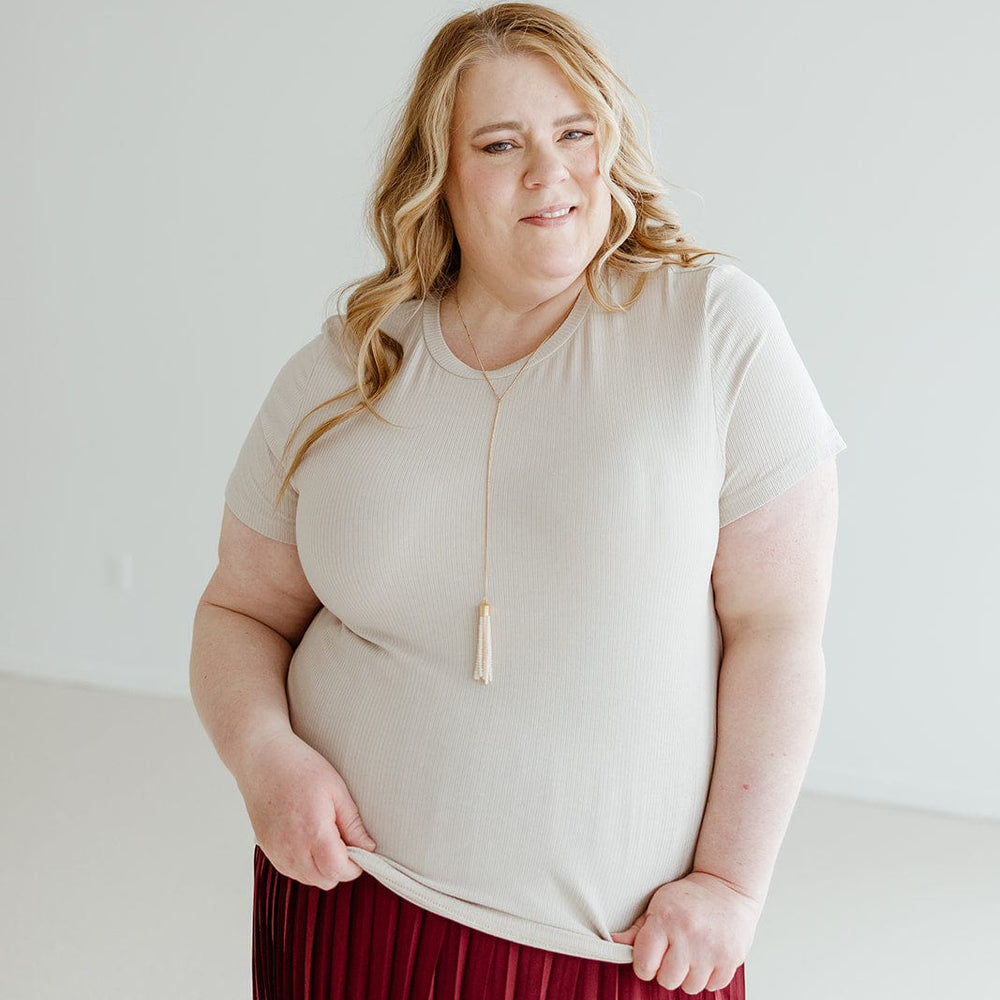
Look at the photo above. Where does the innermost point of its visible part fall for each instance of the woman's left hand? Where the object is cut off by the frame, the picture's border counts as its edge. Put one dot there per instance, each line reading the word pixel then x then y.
pixel 694 935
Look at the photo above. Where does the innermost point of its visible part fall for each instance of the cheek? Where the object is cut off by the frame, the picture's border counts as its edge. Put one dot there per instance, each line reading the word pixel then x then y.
pixel 590 172
pixel 475 196
pixel 602 202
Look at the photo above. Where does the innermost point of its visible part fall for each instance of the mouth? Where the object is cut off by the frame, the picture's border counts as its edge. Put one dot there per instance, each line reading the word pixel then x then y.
pixel 552 212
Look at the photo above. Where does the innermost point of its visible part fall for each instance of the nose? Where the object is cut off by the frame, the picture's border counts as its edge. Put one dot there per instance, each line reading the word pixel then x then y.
pixel 544 168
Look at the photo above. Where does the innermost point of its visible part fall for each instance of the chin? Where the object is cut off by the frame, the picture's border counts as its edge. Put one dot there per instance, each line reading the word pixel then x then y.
pixel 560 270
pixel 551 283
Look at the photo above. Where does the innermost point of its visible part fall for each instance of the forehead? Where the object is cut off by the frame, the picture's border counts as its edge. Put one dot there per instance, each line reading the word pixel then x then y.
pixel 518 86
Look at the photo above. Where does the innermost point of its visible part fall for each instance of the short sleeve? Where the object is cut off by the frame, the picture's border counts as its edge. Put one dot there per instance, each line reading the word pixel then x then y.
pixel 252 490
pixel 772 425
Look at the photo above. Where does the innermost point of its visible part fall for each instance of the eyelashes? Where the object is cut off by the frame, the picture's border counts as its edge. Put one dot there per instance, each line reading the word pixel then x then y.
pixel 505 145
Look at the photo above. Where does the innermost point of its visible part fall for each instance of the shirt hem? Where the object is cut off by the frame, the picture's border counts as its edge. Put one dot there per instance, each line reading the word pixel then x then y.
pixel 488 921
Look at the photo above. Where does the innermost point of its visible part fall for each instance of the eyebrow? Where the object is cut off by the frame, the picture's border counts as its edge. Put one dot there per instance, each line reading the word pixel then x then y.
pixel 512 126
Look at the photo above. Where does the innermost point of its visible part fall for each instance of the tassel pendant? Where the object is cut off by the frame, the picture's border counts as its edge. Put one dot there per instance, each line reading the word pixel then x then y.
pixel 484 651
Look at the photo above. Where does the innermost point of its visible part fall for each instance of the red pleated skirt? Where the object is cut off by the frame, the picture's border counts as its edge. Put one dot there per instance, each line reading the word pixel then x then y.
pixel 360 941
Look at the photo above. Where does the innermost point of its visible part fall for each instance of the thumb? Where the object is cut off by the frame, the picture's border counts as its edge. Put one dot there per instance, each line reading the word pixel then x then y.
pixel 628 936
pixel 352 829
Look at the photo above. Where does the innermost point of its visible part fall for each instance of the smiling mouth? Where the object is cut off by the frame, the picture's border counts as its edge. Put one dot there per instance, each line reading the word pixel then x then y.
pixel 556 213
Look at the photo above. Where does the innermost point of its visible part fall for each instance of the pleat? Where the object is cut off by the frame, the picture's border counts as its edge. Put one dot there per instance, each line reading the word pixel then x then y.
pixel 285 955
pixel 478 963
pixel 360 936
pixel 308 934
pixel 547 960
pixel 261 946
pixel 446 973
pixel 496 975
pixel 324 940
pixel 510 980
pixel 274 902
pixel 464 937
pixel 405 951
pixel 297 933
pixel 428 951
pixel 587 982
pixel 529 972
pixel 451 963
pixel 608 977
pixel 737 989
pixel 562 982
pixel 385 919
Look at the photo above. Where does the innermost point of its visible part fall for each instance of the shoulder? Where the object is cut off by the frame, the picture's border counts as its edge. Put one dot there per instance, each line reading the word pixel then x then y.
pixel 709 305
pixel 318 362
pixel 715 314
pixel 718 285
pixel 734 297
pixel 737 312
pixel 709 289
pixel 299 368
pixel 405 322
pixel 326 365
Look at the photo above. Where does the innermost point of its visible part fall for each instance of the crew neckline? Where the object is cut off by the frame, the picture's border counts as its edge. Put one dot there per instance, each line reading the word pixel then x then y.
pixel 447 359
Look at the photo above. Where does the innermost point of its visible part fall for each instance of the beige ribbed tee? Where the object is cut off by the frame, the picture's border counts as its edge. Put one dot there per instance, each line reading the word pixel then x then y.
pixel 547 806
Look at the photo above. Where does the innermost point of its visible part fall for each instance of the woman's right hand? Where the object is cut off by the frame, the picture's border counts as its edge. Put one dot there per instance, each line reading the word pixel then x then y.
pixel 301 812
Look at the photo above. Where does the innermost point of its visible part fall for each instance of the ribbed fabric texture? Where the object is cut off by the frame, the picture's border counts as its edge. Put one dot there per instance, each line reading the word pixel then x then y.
pixel 546 807
pixel 359 941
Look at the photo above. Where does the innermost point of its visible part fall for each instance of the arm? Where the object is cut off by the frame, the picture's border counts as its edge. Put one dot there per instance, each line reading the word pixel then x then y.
pixel 251 616
pixel 772 581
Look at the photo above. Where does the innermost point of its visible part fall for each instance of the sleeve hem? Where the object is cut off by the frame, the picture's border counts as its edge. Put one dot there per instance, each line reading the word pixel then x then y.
pixel 258 522
pixel 774 483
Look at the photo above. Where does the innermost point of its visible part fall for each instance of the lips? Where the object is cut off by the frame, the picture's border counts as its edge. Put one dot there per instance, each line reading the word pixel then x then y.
pixel 551 212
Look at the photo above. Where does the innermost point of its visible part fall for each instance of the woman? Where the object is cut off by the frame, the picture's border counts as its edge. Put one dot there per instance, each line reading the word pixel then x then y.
pixel 514 646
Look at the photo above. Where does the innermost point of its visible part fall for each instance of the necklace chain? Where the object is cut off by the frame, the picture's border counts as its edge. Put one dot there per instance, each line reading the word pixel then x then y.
pixel 472 344
pixel 484 665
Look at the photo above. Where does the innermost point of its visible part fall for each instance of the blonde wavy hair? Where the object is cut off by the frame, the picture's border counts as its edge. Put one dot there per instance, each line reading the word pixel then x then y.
pixel 410 220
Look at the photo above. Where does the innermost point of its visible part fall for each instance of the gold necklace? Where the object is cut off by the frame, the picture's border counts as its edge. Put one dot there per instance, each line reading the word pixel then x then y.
pixel 484 645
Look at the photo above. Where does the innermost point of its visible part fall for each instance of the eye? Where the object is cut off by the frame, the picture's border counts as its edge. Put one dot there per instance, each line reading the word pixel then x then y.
pixel 576 134
pixel 500 146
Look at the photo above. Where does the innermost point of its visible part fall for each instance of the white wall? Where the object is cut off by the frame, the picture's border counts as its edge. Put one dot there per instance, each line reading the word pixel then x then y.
pixel 182 190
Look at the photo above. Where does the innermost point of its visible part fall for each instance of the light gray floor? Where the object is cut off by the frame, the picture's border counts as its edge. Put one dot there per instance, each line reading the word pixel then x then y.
pixel 127 863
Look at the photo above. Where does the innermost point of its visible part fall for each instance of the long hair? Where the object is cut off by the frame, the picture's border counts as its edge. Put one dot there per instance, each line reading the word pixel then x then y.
pixel 409 218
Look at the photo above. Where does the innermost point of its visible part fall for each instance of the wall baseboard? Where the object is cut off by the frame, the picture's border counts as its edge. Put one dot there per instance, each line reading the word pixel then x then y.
pixel 938 794
pixel 110 677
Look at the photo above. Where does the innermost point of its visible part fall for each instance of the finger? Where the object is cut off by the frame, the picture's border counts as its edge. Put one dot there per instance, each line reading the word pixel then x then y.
pixel 292 867
pixel 672 978
pixel 647 951
pixel 694 982
pixel 628 936
pixel 721 977
pixel 355 872
pixel 673 969
pixel 332 861
pixel 349 823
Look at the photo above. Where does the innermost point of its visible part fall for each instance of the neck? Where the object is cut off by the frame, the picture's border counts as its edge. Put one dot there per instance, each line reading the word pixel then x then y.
pixel 504 326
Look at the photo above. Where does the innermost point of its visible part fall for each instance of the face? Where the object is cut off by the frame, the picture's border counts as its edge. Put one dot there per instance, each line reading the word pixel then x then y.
pixel 526 198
